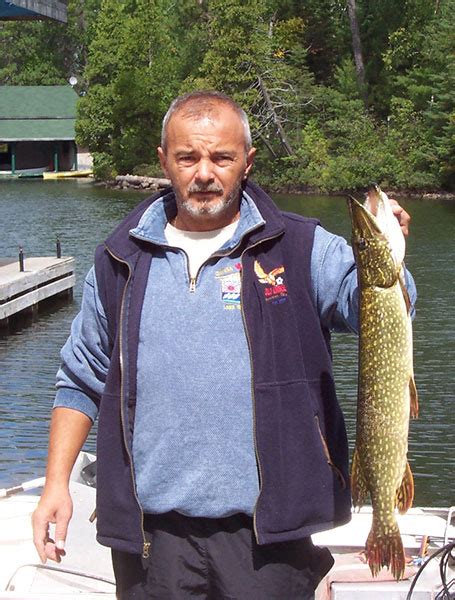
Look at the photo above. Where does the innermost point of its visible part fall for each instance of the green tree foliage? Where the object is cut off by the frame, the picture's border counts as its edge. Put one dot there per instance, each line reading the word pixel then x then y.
pixel 94 127
pixel 429 83
pixel 136 63
pixel 261 61
pixel 32 53
pixel 45 52
pixel 289 63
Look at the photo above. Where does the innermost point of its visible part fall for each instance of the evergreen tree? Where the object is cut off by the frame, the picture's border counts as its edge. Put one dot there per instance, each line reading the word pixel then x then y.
pixel 45 52
pixel 259 60
pixel 289 63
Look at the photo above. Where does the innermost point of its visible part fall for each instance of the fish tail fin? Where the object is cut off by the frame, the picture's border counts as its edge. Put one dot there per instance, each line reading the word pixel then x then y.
pixel 413 397
pixel 386 550
pixel 405 493
pixel 358 483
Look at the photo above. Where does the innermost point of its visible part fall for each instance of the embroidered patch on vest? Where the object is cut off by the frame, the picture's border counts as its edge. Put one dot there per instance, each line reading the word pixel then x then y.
pixel 275 291
pixel 230 280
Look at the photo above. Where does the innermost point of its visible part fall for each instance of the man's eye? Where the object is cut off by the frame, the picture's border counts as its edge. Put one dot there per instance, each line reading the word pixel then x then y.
pixel 186 160
pixel 223 160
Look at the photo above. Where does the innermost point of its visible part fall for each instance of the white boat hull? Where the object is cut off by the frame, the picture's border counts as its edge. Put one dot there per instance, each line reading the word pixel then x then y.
pixel 86 573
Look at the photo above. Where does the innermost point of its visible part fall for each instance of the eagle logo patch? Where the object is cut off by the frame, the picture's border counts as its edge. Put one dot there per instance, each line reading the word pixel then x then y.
pixel 275 290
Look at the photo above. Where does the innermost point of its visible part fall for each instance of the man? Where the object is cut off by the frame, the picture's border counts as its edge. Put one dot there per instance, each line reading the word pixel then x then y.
pixel 202 346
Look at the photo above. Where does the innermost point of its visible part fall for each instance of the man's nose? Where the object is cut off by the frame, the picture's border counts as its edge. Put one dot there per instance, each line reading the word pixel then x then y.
pixel 205 171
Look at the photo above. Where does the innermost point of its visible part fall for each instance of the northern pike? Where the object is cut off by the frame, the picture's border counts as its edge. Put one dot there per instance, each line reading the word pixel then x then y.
pixel 387 395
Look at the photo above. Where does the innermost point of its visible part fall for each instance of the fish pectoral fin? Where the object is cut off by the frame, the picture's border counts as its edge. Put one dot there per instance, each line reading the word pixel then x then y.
pixel 405 493
pixel 413 398
pixel 358 483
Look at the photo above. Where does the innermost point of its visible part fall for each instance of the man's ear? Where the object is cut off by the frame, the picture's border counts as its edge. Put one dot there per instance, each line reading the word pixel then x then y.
pixel 249 161
pixel 162 158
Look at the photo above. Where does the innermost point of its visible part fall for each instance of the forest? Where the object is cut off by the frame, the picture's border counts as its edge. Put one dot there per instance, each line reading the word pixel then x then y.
pixel 339 92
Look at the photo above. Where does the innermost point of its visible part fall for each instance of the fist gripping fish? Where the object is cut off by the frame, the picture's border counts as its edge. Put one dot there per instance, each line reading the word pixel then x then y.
pixel 387 395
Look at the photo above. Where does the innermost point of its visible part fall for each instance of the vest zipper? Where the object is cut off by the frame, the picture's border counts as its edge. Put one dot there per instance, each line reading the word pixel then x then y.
pixel 145 544
pixel 258 460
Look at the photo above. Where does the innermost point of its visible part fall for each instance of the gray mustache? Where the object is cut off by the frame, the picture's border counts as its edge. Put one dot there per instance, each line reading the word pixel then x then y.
pixel 211 187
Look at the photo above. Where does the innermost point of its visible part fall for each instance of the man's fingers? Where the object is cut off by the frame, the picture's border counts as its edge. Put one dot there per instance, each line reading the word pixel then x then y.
pixel 48 548
pixel 58 511
pixel 40 545
pixel 61 529
pixel 403 217
pixel 52 552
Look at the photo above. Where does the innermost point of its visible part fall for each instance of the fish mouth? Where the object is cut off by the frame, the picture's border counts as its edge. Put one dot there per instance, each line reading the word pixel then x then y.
pixel 363 221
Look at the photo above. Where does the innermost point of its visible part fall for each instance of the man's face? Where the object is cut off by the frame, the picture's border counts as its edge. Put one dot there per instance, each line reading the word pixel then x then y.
pixel 206 161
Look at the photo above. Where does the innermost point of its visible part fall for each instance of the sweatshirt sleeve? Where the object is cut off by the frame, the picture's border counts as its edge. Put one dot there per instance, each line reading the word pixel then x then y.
pixel 334 278
pixel 85 356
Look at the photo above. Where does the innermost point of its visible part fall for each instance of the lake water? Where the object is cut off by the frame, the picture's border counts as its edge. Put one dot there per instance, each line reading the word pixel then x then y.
pixel 34 213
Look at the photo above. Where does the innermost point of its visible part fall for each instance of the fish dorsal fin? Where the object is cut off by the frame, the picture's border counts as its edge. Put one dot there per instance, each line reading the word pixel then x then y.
pixel 378 204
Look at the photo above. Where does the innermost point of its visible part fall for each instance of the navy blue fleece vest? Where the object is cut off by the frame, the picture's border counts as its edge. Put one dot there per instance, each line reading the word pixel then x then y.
pixel 299 429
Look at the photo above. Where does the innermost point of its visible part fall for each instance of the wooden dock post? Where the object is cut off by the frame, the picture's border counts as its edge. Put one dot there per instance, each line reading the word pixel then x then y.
pixel 43 278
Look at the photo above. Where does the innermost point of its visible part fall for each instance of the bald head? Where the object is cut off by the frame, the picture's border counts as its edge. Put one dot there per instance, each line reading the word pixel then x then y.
pixel 204 105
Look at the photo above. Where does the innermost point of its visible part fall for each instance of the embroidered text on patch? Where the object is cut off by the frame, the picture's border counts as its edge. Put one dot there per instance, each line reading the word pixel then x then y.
pixel 275 290
pixel 230 289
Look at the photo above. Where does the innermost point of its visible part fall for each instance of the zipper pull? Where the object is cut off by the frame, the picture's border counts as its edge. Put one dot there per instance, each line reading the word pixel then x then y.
pixel 192 285
pixel 146 550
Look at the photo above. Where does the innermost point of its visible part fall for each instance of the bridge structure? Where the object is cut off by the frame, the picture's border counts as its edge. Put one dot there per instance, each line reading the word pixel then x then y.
pixel 33 10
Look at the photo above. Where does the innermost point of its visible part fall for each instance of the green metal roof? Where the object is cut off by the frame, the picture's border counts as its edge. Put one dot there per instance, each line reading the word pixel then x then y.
pixel 37 113
pixel 37 130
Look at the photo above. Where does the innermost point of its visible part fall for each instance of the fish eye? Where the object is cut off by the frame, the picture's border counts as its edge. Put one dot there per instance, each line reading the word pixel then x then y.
pixel 362 244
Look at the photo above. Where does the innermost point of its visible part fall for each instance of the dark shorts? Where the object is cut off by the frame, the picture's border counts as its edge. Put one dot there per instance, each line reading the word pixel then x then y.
pixel 217 559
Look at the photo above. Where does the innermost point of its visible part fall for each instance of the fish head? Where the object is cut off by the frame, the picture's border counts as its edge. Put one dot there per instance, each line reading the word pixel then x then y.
pixel 378 204
pixel 376 265
pixel 373 198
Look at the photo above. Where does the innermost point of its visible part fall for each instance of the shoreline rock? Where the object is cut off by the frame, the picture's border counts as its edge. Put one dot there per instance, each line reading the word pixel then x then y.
pixel 139 183
pixel 153 184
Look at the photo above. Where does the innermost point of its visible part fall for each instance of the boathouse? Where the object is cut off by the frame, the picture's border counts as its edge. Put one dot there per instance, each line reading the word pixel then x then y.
pixel 37 130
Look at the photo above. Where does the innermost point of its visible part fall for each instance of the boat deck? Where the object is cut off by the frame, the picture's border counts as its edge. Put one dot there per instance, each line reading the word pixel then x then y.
pixel 86 571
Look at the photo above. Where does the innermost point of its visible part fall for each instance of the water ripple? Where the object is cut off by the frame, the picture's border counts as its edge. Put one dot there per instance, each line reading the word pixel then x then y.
pixel 82 215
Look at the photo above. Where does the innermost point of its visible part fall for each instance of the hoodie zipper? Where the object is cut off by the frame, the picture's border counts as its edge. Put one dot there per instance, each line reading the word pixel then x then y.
pixel 145 543
pixel 193 280
pixel 193 289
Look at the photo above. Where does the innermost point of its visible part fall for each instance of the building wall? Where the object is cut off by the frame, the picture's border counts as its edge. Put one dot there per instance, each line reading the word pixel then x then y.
pixel 84 159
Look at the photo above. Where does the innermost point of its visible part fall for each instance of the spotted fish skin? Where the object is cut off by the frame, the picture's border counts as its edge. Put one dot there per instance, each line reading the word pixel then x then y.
pixel 386 392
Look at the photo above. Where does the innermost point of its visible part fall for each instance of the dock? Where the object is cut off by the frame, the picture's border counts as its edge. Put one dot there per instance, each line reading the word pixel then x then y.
pixel 43 278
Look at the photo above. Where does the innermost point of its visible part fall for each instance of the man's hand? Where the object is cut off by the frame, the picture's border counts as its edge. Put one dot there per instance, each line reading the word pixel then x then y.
pixel 55 506
pixel 69 430
pixel 403 217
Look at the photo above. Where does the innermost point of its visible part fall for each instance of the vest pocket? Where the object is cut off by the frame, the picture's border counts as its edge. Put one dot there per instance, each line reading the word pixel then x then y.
pixel 326 451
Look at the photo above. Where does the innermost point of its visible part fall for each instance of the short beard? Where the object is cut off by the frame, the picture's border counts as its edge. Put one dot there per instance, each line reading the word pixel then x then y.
pixel 205 209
